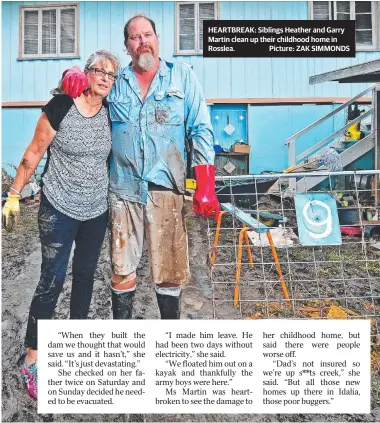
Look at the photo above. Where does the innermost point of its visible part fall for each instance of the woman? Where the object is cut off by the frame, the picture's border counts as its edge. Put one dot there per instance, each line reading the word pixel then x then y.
pixel 74 196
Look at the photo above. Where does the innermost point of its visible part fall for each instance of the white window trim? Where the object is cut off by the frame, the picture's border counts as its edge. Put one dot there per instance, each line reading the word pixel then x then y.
pixel 375 24
pixel 197 51
pixel 58 8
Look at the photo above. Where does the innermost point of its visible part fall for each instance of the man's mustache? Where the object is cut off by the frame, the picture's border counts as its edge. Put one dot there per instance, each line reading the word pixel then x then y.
pixel 145 47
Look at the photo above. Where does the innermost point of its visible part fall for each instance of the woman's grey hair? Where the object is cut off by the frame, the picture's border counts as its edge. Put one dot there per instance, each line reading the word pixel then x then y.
pixel 101 56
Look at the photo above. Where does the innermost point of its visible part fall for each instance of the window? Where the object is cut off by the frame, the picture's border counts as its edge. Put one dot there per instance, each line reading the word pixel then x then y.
pixel 48 32
pixel 363 12
pixel 189 25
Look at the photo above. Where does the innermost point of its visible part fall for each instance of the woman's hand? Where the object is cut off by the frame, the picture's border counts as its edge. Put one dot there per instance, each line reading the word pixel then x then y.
pixel 11 212
pixel 43 136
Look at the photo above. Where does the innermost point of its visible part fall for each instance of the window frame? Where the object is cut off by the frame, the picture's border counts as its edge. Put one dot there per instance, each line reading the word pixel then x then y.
pixel 375 24
pixel 196 51
pixel 39 8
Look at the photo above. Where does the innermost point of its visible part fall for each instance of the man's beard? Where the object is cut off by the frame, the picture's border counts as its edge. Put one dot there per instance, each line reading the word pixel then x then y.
pixel 146 61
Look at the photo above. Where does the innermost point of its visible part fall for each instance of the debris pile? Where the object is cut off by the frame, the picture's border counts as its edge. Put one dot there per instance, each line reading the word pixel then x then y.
pixel 6 181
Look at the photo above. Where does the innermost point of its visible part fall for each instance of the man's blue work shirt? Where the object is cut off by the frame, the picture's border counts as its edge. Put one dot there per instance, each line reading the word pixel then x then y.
pixel 148 137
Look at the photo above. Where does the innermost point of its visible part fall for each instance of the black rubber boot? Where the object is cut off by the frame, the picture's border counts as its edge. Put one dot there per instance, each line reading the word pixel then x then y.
pixel 170 307
pixel 122 305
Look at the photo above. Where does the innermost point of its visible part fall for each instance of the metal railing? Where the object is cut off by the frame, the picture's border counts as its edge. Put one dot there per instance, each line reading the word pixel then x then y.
pixel 291 141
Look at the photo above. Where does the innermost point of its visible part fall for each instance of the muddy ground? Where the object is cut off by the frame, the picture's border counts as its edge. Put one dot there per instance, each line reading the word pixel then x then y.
pixel 203 298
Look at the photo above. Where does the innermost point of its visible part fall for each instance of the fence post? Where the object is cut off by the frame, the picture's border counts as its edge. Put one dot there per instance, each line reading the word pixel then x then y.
pixel 291 163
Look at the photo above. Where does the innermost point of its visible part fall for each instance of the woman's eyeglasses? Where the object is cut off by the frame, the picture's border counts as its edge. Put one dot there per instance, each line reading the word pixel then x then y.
pixel 101 72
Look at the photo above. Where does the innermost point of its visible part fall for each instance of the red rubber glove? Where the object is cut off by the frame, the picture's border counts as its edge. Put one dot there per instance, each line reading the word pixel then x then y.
pixel 75 82
pixel 205 202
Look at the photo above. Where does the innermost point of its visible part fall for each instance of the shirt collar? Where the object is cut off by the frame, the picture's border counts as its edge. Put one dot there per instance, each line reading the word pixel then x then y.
pixel 162 69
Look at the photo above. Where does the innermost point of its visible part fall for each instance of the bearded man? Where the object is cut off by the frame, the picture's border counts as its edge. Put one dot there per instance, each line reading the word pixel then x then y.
pixel 154 106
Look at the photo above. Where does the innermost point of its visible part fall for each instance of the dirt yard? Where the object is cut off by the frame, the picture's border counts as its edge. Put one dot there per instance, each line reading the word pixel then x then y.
pixel 20 274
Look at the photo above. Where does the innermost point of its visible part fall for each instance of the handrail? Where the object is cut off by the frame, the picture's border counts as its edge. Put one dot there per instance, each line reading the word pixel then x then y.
pixel 334 135
pixel 322 119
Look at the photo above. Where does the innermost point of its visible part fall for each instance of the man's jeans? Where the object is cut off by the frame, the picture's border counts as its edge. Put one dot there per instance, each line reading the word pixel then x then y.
pixel 57 234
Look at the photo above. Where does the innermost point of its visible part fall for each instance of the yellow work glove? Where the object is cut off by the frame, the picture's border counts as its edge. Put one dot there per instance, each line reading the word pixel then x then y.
pixel 11 212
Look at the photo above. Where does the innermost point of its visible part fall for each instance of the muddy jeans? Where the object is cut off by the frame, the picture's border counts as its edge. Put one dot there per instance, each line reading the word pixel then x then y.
pixel 57 234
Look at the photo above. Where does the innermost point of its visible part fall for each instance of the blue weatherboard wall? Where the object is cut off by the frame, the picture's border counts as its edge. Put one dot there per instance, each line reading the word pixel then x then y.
pixel 271 125
pixel 101 26
pixel 17 129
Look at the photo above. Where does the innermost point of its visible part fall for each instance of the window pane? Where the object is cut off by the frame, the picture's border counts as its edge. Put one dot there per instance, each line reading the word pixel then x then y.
pixel 186 27
pixel 363 22
pixel 68 46
pixel 364 37
pixel 343 7
pixel 321 10
pixel 343 17
pixel 49 32
pixel 363 7
pixel 49 46
pixel 30 47
pixel 49 17
pixel 206 12
pixel 68 31
pixel 186 43
pixel 31 17
pixel 30 32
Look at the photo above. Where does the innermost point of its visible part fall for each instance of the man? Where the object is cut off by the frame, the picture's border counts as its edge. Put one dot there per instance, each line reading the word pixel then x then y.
pixel 154 106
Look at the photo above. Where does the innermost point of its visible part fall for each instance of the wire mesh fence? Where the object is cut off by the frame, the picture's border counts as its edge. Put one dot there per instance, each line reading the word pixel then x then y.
pixel 260 265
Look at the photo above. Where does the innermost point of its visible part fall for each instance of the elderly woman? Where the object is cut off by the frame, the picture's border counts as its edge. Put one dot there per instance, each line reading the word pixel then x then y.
pixel 74 206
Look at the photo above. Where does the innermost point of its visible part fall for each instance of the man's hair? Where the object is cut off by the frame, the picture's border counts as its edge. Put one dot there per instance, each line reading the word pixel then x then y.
pixel 137 16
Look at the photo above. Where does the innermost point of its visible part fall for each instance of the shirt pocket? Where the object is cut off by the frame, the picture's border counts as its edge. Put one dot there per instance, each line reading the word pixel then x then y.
pixel 170 107
pixel 120 108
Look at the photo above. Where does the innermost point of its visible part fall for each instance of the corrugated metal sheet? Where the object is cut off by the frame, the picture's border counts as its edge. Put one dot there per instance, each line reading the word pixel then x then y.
pixel 101 26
